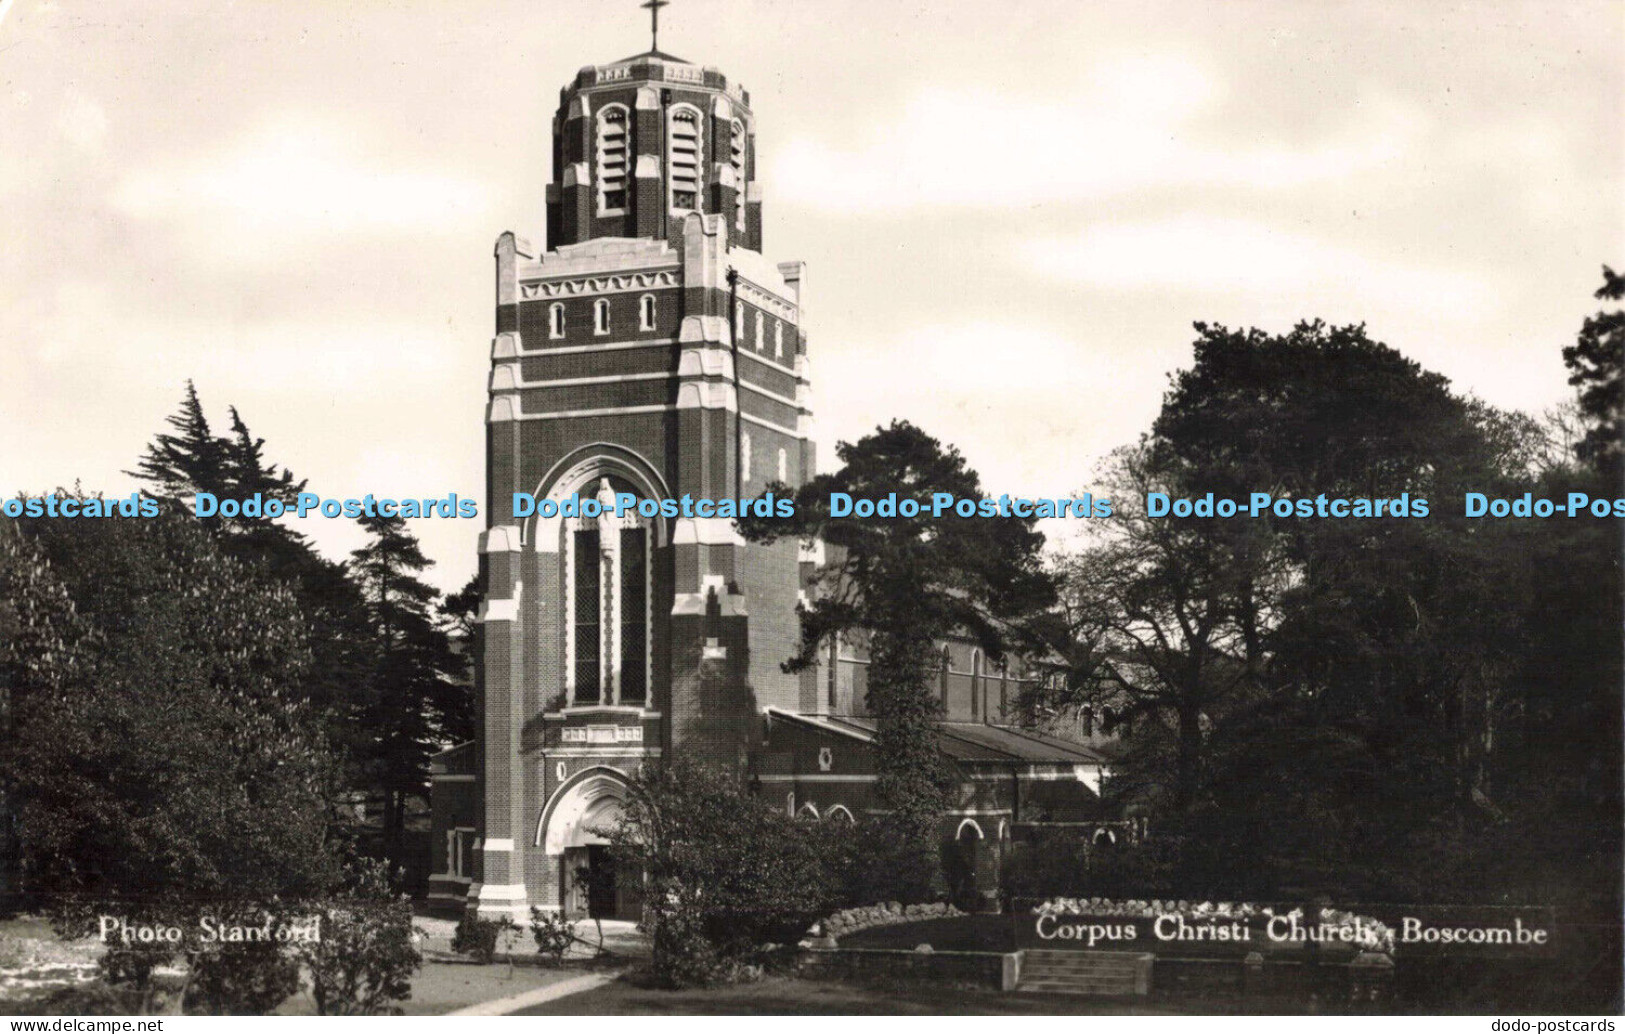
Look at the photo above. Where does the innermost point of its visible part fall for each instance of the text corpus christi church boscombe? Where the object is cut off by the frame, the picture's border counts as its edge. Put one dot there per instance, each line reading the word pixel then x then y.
pixel 652 348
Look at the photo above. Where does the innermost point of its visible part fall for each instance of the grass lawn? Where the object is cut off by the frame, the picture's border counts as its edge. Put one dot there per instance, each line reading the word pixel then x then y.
pixel 791 996
pixel 40 973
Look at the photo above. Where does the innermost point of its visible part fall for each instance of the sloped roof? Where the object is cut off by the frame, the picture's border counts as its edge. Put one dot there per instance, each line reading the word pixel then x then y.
pixel 972 741
pixel 659 55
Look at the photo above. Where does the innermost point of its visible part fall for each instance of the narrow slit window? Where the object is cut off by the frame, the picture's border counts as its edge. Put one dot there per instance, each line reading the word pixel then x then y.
pixel 646 312
pixel 600 316
pixel 634 616
pixel 555 320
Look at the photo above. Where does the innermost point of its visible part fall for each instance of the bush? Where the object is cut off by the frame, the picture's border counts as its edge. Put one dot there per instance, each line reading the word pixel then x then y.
pixel 241 980
pixel 726 873
pixel 364 961
pixel 478 937
pixel 553 932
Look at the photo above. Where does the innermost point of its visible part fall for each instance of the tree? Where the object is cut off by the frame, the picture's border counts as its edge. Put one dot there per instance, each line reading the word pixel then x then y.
pixel 903 583
pixel 190 460
pixel 171 767
pixel 1164 620
pixel 1325 692
pixel 43 648
pixel 364 960
pixel 416 703
pixel 724 873
pixel 1596 363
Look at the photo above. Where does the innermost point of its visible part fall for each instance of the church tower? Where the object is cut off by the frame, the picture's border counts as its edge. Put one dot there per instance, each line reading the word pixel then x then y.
pixel 650 349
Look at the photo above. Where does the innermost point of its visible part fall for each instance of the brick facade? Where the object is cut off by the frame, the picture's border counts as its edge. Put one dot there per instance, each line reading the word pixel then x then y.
pixel 653 349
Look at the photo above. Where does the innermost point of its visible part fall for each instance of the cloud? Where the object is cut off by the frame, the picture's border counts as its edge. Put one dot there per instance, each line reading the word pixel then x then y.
pixel 1029 406
pixel 291 355
pixel 82 121
pixel 284 185
pixel 1136 124
pixel 1246 259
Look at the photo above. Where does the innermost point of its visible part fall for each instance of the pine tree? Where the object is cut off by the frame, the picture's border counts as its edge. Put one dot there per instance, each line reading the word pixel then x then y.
pixel 191 460
pixel 414 701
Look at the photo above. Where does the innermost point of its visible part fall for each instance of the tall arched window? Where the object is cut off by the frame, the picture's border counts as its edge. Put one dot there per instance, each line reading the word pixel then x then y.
pixel 784 466
pixel 761 330
pixel 739 320
pixel 612 151
pixel 600 316
pixel 646 312
pixel 607 579
pixel 975 683
pixel 555 320
pixel 744 456
pixel 685 158
pixel 736 147
pixel 943 675
pixel 778 339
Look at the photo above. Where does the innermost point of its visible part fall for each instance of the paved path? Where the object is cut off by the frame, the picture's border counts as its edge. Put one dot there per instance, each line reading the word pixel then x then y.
pixel 539 996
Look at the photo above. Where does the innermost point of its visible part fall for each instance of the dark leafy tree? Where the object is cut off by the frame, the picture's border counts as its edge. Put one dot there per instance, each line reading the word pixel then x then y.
pixel 170 765
pixel 724 873
pixel 902 583
pixel 1596 363
pixel 1325 692
pixel 193 459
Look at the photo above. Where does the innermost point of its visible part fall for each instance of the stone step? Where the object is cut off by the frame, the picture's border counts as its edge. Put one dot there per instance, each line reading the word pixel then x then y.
pixel 1078 987
pixel 1129 962
pixel 1085 972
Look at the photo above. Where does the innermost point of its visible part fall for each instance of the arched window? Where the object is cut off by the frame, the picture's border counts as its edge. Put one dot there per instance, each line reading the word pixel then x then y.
pixel 784 466
pixel 1086 719
pixel 607 579
pixel 555 320
pixel 600 316
pixel 744 456
pixel 761 320
pixel 685 159
pixel 778 339
pixel 945 658
pixel 739 320
pixel 975 683
pixel 808 811
pixel 646 312
pixel 838 811
pixel 736 147
pixel 612 151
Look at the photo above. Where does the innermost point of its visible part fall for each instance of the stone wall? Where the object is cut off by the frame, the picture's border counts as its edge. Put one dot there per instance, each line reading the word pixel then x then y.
pixel 987 971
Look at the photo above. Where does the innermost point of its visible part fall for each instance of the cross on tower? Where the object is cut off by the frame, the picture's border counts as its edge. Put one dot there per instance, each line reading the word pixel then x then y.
pixel 654 7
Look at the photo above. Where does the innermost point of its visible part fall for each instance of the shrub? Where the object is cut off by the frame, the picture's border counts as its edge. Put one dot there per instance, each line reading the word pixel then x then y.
pixel 553 932
pixel 478 937
pixel 241 980
pixel 363 963
pixel 726 873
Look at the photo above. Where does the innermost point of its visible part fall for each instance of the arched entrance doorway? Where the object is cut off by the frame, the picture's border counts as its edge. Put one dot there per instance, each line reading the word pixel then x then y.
pixel 574 832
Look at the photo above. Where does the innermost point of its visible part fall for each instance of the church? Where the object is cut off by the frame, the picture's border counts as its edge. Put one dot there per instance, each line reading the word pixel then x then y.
pixel 652 347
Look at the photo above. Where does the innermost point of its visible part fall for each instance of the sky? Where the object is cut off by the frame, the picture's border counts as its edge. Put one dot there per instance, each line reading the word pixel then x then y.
pixel 1011 213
